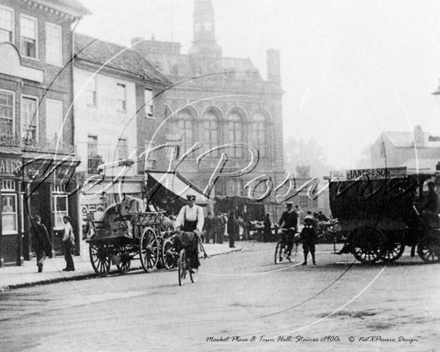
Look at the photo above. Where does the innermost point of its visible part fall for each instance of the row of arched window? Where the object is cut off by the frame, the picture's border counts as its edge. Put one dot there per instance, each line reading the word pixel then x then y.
pixel 213 130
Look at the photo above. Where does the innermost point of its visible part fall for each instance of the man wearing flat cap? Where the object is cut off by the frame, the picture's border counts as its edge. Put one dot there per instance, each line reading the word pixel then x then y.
pixel 289 222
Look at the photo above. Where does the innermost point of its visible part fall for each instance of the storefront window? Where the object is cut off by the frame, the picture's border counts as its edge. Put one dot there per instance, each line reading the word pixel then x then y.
pixel 9 213
pixel 60 202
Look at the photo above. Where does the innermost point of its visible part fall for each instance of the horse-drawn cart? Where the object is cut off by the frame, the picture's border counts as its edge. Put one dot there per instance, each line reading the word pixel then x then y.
pixel 125 233
pixel 377 212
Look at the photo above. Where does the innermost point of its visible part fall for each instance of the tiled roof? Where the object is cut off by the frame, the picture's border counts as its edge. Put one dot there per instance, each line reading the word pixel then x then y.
pixel 406 139
pixel 116 57
pixel 73 7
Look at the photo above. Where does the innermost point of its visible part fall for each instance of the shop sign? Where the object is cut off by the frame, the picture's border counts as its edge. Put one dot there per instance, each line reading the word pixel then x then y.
pixel 9 166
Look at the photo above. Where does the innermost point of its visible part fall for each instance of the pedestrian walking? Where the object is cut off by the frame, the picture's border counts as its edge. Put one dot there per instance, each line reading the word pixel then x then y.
pixel 232 229
pixel 68 243
pixel 40 241
pixel 309 237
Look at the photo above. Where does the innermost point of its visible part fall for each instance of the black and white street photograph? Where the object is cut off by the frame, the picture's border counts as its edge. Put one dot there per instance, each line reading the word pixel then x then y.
pixel 219 175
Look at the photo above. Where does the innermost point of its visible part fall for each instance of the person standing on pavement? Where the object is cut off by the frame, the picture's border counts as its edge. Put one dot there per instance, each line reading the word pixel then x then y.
pixel 267 232
pixel 40 241
pixel 309 237
pixel 207 228
pixel 232 229
pixel 288 221
pixel 191 219
pixel 68 243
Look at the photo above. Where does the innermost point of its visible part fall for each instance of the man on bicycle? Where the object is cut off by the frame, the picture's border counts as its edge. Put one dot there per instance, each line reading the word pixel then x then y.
pixel 289 222
pixel 191 219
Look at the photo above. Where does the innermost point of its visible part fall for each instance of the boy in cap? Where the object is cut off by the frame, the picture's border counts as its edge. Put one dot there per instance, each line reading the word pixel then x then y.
pixel 308 236
pixel 289 221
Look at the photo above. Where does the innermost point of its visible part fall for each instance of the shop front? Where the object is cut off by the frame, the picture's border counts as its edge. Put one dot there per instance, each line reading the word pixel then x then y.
pixel 11 201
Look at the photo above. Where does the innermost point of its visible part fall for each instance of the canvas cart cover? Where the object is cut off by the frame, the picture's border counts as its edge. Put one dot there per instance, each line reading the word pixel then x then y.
pixel 380 199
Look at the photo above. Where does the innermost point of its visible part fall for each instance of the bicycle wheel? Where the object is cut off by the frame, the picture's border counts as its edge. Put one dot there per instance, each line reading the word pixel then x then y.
pixel 279 252
pixel 168 254
pixel 182 266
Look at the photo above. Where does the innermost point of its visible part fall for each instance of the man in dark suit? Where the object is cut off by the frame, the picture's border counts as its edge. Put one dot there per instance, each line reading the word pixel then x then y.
pixel 40 241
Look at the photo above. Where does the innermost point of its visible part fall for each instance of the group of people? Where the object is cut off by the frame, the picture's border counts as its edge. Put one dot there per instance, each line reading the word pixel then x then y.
pixel 215 228
pixel 289 223
pixel 42 245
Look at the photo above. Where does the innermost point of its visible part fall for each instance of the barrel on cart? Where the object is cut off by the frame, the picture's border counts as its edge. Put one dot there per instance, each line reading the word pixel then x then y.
pixel 377 211
pixel 125 232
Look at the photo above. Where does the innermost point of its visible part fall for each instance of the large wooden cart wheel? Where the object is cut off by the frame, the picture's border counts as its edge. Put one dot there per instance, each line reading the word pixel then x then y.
pixel 169 255
pixel 125 258
pixel 367 244
pixel 428 248
pixel 393 249
pixel 149 249
pixel 100 257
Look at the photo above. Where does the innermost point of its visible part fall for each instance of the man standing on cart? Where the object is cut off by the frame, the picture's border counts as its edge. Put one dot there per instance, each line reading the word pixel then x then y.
pixel 289 221
pixel 191 219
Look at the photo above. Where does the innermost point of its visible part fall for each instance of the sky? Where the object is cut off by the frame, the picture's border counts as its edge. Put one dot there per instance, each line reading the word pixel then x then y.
pixel 350 69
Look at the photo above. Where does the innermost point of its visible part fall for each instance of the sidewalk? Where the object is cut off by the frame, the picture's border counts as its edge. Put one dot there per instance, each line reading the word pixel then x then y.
pixel 12 277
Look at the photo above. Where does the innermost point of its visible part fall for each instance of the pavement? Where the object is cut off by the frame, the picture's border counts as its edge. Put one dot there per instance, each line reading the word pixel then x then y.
pixel 13 277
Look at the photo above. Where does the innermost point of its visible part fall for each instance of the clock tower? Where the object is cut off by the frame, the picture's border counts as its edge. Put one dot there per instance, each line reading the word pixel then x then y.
pixel 205 53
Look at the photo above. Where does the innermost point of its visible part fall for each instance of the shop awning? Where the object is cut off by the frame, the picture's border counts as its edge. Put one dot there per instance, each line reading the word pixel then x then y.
pixel 176 184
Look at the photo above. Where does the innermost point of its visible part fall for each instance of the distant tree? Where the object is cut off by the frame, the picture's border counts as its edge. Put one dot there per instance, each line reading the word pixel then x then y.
pixel 300 153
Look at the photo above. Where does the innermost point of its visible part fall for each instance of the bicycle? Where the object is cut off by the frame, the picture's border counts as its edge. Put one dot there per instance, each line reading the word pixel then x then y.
pixel 185 242
pixel 282 246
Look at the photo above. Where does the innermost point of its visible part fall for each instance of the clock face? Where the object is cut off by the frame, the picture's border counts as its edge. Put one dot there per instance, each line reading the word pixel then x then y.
pixel 208 26
pixel 197 27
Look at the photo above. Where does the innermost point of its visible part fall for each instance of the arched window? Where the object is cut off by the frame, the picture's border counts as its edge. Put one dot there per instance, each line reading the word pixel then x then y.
pixel 259 134
pixel 235 134
pixel 210 133
pixel 180 129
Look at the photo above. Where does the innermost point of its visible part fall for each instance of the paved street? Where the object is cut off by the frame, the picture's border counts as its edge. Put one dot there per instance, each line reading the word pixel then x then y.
pixel 242 295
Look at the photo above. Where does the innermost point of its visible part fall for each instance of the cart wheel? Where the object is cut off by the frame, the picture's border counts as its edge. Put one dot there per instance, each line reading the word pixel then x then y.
pixel 428 248
pixel 149 250
pixel 393 250
pixel 100 258
pixel 368 244
pixel 279 252
pixel 124 253
pixel 182 266
pixel 168 254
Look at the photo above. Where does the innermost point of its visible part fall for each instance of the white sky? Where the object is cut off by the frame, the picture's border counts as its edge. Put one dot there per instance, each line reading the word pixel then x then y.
pixel 350 68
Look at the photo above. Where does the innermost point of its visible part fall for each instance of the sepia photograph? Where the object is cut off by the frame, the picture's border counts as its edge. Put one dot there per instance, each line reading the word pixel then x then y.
pixel 219 175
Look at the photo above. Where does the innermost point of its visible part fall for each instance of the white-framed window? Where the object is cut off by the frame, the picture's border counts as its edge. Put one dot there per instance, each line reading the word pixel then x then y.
pixel 121 97
pixel 122 149
pixel 7 114
pixel 93 159
pixel 91 91
pixel 235 134
pixel 210 135
pixel 54 120
pixel 304 201
pixel 9 214
pixel 54 44
pixel 149 104
pixel 150 158
pixel 29 36
pixel 29 118
pixel 6 24
pixel 60 210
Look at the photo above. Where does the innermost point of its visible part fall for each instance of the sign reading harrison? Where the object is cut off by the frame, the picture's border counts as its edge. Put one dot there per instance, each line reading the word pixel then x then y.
pixel 373 174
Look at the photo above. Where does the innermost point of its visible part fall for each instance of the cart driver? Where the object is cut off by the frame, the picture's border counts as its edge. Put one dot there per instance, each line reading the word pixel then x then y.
pixel 191 219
